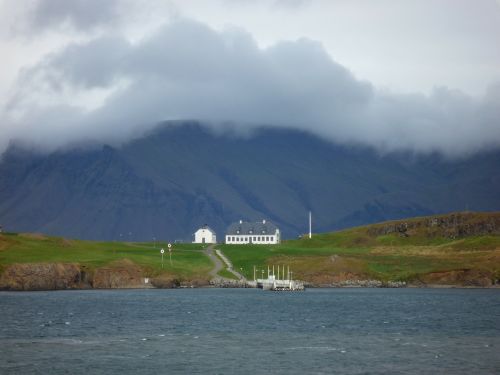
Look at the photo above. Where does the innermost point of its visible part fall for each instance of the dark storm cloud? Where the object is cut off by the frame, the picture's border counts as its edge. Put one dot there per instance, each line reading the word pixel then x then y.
pixel 189 71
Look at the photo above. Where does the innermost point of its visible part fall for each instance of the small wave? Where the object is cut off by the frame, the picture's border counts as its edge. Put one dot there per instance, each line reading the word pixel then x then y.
pixel 57 341
pixel 324 348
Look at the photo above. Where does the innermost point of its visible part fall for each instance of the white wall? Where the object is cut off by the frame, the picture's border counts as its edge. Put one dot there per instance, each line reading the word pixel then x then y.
pixel 242 239
pixel 204 236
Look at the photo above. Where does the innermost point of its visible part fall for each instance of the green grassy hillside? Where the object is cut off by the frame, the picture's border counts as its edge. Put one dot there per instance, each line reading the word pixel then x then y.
pixel 438 249
pixel 456 249
pixel 188 262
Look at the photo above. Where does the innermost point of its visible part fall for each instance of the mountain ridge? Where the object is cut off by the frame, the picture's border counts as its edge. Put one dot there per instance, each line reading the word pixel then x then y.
pixel 177 178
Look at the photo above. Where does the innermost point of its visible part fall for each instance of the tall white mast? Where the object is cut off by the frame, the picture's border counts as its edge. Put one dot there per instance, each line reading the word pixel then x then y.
pixel 310 225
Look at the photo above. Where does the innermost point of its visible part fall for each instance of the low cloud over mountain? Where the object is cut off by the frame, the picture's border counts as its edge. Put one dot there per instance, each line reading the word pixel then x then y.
pixel 108 89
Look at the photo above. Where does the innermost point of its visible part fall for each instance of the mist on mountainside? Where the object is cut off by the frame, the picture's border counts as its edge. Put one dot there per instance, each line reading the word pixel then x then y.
pixel 180 177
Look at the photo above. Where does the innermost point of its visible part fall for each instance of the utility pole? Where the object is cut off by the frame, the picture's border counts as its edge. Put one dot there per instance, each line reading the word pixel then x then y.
pixel 310 225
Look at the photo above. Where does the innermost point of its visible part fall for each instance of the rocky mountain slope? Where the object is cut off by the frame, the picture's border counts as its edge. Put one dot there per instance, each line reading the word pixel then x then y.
pixel 169 182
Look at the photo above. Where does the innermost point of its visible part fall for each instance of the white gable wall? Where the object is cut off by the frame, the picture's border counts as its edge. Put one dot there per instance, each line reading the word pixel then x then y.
pixel 204 235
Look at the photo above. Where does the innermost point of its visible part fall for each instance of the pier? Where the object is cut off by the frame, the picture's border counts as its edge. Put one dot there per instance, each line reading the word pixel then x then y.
pixel 275 283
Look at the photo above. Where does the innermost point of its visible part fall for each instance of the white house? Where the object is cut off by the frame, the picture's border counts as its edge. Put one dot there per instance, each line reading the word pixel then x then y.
pixel 261 232
pixel 205 235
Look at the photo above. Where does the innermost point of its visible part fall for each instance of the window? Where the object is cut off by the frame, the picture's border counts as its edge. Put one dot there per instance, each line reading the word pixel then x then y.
pixel 246 239
pixel 233 239
pixel 255 238
pixel 258 238
pixel 272 238
pixel 267 238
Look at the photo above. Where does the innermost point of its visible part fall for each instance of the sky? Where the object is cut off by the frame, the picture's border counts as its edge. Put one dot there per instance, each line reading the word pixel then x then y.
pixel 397 75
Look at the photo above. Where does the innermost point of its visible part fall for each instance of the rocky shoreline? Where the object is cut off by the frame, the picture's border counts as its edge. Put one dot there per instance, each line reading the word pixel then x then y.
pixel 127 275
pixel 362 284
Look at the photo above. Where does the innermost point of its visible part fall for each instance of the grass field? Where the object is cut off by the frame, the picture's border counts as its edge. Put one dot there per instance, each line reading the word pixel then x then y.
pixel 188 262
pixel 357 252
pixel 226 274
pixel 362 253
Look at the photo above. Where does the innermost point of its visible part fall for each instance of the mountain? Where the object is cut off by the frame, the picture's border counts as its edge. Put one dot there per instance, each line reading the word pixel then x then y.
pixel 181 176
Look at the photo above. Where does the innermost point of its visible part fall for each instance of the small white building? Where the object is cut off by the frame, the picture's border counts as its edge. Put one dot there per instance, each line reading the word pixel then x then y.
pixel 259 233
pixel 205 235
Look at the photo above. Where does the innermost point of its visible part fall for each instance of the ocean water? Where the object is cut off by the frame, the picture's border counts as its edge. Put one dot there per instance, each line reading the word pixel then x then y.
pixel 248 331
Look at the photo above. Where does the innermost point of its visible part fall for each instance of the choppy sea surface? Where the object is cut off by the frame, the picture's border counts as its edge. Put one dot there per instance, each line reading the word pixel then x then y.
pixel 248 331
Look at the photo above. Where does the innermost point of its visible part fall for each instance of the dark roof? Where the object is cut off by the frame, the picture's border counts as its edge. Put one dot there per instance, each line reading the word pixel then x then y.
pixel 252 228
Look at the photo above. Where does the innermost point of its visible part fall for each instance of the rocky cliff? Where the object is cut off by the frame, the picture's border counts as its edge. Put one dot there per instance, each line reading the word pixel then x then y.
pixel 465 278
pixel 456 225
pixel 58 276
pixel 120 274
pixel 43 276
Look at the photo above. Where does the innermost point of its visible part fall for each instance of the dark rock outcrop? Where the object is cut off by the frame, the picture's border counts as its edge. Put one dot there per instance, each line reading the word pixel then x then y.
pixel 466 277
pixel 457 225
pixel 59 276
pixel 121 274
pixel 220 282
pixel 42 276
